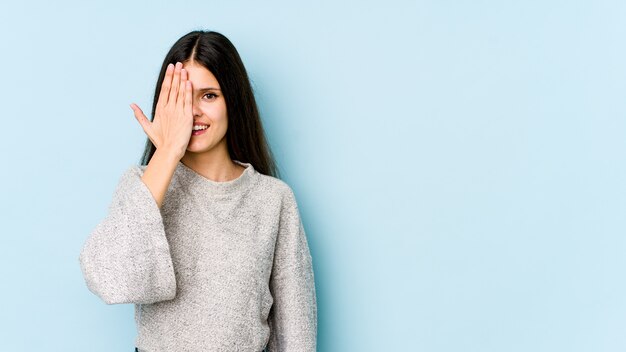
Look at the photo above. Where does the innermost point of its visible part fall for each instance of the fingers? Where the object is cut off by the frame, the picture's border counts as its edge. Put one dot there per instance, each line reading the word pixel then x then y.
pixel 175 84
pixel 141 118
pixel 165 86
pixel 143 121
pixel 187 106
pixel 182 97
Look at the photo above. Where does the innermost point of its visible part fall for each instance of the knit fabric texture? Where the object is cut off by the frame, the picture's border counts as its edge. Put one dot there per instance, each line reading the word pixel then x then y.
pixel 221 266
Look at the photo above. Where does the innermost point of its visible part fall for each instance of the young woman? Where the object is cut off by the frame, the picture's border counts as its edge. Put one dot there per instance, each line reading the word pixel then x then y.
pixel 203 237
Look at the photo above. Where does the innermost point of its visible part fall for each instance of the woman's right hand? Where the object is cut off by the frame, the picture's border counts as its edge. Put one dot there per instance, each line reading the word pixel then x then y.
pixel 172 125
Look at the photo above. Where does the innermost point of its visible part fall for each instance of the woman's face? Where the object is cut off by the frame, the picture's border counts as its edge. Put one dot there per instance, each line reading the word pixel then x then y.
pixel 209 107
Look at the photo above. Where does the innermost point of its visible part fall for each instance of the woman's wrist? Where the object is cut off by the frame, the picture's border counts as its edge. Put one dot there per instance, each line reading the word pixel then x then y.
pixel 168 154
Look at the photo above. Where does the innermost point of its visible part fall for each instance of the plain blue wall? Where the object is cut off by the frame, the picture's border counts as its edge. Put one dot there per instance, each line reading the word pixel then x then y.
pixel 460 165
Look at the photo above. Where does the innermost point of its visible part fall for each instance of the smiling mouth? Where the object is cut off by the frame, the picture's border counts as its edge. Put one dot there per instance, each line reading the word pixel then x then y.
pixel 199 131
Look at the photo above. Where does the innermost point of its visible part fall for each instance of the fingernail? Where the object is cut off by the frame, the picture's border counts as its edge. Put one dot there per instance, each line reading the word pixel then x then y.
pixel 170 66
pixel 179 65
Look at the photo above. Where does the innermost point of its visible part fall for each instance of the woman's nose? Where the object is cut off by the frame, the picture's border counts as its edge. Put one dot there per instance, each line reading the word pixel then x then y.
pixel 195 110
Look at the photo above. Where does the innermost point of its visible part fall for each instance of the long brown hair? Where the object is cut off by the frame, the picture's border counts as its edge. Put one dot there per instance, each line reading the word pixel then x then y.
pixel 245 134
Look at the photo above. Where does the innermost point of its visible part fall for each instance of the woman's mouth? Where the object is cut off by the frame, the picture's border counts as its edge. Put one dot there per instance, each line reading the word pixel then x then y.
pixel 196 132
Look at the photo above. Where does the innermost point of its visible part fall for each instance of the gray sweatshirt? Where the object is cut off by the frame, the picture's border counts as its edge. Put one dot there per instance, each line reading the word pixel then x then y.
pixel 222 266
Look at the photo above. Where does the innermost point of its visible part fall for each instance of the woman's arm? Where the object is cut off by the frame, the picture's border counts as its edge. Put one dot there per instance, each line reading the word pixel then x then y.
pixel 126 258
pixel 293 316
pixel 159 172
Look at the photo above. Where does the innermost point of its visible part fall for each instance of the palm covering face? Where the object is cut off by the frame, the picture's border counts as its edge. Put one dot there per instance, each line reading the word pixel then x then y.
pixel 173 120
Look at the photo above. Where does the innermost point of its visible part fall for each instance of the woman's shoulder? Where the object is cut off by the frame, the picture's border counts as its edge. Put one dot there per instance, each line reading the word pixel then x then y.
pixel 273 186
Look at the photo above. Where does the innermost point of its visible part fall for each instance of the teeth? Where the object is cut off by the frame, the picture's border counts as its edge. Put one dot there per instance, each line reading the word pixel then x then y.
pixel 198 127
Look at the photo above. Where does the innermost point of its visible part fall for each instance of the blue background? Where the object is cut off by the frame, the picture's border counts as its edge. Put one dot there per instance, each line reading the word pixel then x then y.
pixel 459 165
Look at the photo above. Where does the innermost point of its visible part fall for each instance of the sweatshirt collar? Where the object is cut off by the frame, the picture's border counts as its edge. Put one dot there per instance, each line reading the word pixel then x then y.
pixel 194 179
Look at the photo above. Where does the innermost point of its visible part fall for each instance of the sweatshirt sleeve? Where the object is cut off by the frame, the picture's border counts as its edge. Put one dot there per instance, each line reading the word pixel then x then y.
pixel 293 316
pixel 126 258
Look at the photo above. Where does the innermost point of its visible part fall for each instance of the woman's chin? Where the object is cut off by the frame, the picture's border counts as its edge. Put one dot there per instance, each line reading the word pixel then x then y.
pixel 198 148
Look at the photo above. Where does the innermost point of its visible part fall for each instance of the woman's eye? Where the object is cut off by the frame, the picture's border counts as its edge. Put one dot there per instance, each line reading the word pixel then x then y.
pixel 210 94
